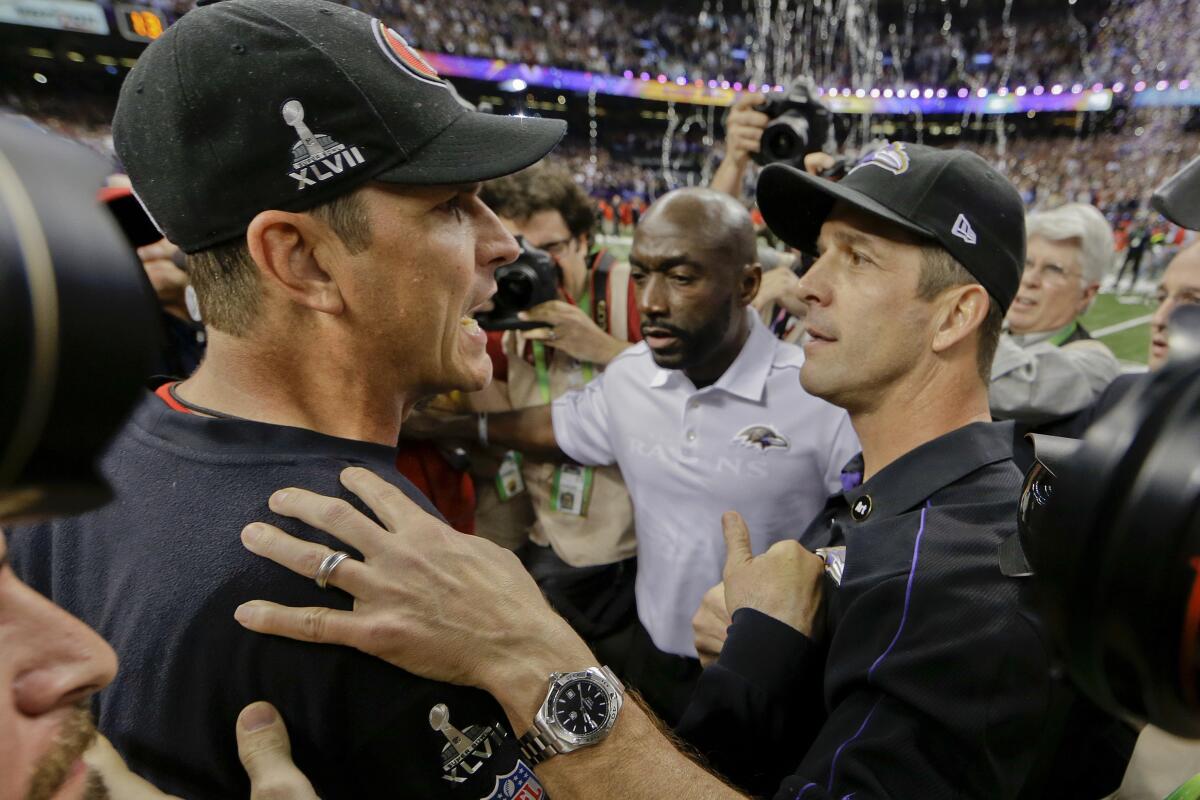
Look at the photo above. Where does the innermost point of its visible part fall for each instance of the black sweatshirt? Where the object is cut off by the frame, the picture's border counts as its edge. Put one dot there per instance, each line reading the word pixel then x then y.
pixel 158 573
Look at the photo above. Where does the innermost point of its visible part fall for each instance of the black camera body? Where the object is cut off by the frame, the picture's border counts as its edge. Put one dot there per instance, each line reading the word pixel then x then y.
pixel 800 124
pixel 529 281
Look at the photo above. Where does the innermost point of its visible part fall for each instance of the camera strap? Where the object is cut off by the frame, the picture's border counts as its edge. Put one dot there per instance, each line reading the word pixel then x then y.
pixel 571 489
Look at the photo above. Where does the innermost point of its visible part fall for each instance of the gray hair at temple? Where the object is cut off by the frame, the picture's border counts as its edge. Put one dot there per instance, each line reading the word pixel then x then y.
pixel 1082 222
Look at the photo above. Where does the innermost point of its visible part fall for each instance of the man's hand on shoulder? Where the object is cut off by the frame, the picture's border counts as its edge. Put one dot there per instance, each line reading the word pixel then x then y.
pixel 787 582
pixel 573 332
pixel 428 599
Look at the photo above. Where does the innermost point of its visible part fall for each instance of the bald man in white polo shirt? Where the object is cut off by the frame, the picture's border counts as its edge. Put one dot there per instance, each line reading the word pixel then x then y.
pixel 705 416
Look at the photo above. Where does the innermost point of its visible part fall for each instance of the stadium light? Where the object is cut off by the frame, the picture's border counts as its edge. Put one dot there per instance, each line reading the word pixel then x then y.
pixel 1002 91
pixel 888 93
pixel 832 91
pixel 1098 87
pixel 1161 86
pixel 737 87
pixel 645 76
pixel 846 92
pixel 1140 86
pixel 39 77
pixel 982 93
pixel 902 93
pixel 1056 89
pixel 1020 91
pixel 963 92
pixel 1076 89
pixel 941 93
pixel 681 80
pixel 662 78
pixel 928 94
pixel 778 88
pixel 1039 90
pixel 860 92
pixel 712 84
pixel 874 93
pixel 1118 87
pixel 1184 84
pixel 628 74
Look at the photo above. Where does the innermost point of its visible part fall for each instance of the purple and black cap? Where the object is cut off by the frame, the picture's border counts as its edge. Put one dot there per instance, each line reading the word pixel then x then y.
pixel 247 105
pixel 951 197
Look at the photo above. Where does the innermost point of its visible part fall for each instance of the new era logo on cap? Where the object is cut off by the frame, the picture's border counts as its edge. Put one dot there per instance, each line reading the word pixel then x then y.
pixel 963 230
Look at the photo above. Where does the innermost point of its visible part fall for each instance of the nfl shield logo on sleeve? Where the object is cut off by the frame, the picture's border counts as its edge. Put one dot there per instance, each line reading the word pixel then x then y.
pixel 520 784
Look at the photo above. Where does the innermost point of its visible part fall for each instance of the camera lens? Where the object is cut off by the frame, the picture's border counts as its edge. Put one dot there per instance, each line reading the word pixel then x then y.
pixel 515 288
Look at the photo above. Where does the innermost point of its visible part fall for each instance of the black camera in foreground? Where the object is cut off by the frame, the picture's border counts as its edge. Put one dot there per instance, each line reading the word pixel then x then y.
pixel 79 327
pixel 529 281
pixel 1110 528
pixel 800 124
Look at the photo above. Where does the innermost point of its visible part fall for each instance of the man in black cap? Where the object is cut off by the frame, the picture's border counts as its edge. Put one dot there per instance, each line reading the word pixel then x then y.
pixel 914 670
pixel 322 180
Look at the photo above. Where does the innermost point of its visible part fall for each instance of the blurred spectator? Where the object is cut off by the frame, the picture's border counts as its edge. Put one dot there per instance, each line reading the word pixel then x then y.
pixel 1046 364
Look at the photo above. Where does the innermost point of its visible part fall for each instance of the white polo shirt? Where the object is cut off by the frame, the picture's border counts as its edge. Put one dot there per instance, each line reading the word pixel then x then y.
pixel 753 442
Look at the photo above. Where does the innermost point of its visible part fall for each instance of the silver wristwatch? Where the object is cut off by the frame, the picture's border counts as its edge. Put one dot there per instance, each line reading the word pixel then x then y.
pixel 580 710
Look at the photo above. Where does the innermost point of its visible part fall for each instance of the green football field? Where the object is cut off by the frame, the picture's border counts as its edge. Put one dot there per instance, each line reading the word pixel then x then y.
pixel 1118 321
pixel 1107 320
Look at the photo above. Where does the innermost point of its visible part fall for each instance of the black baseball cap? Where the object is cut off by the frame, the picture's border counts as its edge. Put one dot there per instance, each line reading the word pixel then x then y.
pixel 950 196
pixel 248 105
pixel 1178 199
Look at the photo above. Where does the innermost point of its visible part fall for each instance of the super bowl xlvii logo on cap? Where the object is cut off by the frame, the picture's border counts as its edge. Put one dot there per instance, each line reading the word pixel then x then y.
pixel 963 230
pixel 400 53
pixel 892 158
pixel 316 157
pixel 761 437
pixel 520 784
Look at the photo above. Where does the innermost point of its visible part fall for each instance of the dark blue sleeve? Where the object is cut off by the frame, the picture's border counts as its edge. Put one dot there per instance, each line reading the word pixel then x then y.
pixel 757 708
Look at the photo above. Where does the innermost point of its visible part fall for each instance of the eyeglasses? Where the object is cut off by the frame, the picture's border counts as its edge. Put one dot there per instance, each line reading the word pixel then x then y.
pixel 1050 273
pixel 556 248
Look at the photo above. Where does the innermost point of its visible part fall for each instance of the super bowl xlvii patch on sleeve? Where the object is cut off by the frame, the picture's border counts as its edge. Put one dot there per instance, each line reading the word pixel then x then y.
pixel 520 784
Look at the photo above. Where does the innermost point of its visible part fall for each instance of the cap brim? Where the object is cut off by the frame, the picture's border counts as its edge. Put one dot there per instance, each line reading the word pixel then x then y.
pixel 1053 452
pixel 478 147
pixel 1179 198
pixel 795 204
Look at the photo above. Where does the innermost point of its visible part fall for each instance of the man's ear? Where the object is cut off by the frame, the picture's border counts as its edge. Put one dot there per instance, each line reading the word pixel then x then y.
pixel 285 247
pixel 750 281
pixel 1089 294
pixel 961 311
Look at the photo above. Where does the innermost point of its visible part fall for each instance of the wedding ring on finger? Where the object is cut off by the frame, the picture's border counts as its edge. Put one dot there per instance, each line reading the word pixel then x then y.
pixel 328 565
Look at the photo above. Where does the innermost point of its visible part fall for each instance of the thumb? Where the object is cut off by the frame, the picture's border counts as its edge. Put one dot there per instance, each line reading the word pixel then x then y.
pixel 266 754
pixel 737 541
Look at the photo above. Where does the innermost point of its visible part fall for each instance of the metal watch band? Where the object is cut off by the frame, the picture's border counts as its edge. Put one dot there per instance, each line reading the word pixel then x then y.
pixel 535 747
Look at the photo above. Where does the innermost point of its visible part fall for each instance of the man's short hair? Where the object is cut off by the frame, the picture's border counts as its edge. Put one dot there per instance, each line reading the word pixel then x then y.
pixel 542 187
pixel 1077 221
pixel 940 271
pixel 226 278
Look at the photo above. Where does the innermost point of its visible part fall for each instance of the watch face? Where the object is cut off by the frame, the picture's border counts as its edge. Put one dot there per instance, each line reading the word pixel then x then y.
pixel 581 707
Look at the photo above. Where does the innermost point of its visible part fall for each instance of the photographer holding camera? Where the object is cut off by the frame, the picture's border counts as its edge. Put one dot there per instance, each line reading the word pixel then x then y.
pixel 580 546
